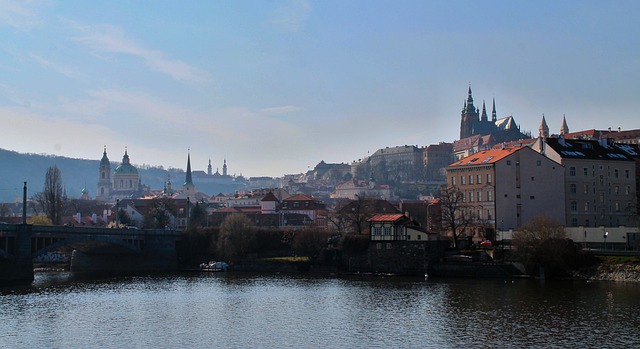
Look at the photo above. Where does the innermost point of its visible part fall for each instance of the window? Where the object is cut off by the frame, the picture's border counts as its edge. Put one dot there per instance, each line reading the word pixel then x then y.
pixel 601 179
pixel 489 178
pixel 617 189
pixel 479 179
pixel 533 179
pixel 574 206
pixel 626 174
pixel 572 171
pixel 461 180
pixel 574 222
pixel 453 181
pixel 572 188
pixel 470 179
pixel 615 173
pixel 508 162
pixel 586 189
pixel 617 206
pixel 102 175
pixel 386 230
pixel 479 196
pixel 377 231
pixel 419 237
pixel 488 196
pixel 586 172
pixel 470 196
pixel 532 197
pixel 628 190
pixel 586 206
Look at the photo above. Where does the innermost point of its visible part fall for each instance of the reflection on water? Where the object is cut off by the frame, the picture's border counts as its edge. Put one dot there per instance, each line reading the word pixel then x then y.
pixel 292 311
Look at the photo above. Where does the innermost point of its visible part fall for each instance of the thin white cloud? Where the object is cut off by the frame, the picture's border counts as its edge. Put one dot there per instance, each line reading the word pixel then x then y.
pixel 293 16
pixel 281 110
pixel 66 70
pixel 112 40
pixel 19 14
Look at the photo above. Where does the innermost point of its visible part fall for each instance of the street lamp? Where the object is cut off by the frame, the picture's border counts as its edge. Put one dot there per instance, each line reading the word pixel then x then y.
pixel 605 239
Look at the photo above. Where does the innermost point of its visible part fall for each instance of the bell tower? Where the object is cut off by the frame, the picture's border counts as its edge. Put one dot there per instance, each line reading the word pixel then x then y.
pixel 104 179
pixel 469 117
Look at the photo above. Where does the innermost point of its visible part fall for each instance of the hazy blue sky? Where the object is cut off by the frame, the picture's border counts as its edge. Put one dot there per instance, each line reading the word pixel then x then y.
pixel 277 86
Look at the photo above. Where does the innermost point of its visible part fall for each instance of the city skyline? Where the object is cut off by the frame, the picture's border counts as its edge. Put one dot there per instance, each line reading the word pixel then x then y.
pixel 276 87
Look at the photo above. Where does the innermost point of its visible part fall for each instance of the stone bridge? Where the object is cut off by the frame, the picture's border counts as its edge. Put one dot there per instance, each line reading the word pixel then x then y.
pixel 94 249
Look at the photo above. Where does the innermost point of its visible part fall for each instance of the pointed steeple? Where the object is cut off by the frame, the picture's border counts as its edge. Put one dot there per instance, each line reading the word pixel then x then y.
pixel 188 181
pixel 494 116
pixel 484 113
pixel 543 130
pixel 564 129
pixel 209 168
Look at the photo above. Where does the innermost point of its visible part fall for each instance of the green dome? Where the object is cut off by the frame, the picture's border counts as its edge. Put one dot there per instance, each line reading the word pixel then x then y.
pixel 125 166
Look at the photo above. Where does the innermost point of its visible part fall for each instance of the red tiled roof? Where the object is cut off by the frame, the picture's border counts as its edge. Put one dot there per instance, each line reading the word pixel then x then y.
pixel 485 157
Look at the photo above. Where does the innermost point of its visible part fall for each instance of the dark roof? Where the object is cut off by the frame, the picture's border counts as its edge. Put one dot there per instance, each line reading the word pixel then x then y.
pixel 587 149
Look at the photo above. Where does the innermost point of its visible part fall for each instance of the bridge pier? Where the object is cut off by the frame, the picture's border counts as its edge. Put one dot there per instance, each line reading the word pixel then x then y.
pixel 18 269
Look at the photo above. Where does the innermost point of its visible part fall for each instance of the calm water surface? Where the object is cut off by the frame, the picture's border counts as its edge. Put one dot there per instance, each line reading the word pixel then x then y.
pixel 285 311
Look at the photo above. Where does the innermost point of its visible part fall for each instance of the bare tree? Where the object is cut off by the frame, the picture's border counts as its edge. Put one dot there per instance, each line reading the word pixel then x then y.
pixel 455 216
pixel 541 245
pixel 160 213
pixel 50 199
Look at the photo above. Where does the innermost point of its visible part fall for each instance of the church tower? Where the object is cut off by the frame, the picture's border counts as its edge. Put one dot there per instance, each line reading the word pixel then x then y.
pixel 209 168
pixel 224 167
pixel 564 129
pixel 470 116
pixel 104 179
pixel 543 130
pixel 189 188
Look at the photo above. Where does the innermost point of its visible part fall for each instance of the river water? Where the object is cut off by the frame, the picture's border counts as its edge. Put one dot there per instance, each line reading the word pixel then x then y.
pixel 228 310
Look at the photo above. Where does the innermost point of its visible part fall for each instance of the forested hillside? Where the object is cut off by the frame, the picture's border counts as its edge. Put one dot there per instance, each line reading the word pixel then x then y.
pixel 17 168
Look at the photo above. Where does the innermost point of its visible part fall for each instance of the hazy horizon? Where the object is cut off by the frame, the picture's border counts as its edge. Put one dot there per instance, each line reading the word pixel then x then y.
pixel 276 87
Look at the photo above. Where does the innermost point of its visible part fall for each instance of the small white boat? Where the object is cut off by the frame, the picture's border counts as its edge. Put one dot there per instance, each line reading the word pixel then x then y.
pixel 214 266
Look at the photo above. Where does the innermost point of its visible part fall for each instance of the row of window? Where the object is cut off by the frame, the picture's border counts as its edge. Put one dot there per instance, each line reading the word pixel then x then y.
pixel 478 179
pixel 573 189
pixel 573 206
pixel 585 172
pixel 476 196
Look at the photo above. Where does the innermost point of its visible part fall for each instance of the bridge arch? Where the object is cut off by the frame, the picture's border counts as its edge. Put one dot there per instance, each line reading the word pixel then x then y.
pixel 101 244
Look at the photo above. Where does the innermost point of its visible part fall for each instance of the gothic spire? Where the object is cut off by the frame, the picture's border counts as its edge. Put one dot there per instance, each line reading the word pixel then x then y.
pixel 494 116
pixel 543 130
pixel 188 181
pixel 564 129
pixel 484 112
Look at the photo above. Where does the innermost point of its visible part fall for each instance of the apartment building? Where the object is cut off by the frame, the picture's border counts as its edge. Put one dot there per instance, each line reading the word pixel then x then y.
pixel 505 188
pixel 600 180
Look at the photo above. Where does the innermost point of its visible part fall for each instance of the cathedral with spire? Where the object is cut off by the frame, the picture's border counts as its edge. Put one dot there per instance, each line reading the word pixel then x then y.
pixel 476 123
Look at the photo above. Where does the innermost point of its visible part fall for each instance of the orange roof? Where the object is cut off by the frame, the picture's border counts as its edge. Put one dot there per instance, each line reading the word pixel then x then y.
pixel 387 217
pixel 485 157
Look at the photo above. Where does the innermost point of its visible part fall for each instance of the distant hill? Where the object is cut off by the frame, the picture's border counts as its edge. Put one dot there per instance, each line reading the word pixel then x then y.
pixel 16 168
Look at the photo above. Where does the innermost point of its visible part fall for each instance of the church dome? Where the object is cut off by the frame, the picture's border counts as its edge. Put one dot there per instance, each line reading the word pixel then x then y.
pixel 125 166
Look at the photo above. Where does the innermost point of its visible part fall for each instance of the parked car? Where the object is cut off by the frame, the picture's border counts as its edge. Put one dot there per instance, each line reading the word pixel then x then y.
pixel 486 243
